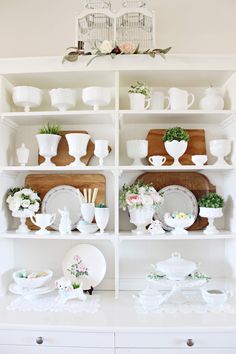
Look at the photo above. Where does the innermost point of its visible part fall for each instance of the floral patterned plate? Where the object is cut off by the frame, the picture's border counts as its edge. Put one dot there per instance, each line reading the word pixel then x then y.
pixel 84 263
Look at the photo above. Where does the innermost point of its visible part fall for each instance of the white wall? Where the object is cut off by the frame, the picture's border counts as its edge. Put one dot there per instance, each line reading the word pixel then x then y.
pixel 46 27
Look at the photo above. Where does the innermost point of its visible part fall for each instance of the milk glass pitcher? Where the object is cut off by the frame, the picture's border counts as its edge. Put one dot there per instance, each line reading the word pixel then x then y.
pixel 179 99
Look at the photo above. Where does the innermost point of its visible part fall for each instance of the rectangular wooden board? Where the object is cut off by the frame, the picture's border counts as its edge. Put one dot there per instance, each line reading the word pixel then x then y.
pixel 196 145
pixel 197 183
pixel 42 183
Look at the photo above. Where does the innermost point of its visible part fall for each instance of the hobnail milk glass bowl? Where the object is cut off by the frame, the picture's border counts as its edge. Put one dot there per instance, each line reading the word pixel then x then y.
pixel 137 150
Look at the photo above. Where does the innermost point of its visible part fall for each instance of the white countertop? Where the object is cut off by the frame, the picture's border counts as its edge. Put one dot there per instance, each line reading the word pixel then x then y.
pixel 114 315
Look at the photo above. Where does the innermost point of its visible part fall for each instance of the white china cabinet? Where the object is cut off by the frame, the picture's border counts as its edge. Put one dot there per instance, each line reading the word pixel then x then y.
pixel 117 328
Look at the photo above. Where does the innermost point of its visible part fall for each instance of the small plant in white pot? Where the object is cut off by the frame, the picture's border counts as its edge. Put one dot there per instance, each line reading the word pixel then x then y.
pixel 140 96
pixel 48 139
pixel 102 216
pixel 176 143
pixel 211 207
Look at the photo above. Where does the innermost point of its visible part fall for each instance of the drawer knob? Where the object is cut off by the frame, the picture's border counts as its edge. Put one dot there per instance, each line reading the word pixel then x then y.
pixel 39 340
pixel 190 342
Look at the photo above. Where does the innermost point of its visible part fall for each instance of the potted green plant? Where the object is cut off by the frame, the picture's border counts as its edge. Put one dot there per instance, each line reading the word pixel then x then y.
pixel 48 139
pixel 211 206
pixel 176 143
pixel 139 96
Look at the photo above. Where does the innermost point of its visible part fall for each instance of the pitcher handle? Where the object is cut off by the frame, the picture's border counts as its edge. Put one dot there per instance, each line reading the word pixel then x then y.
pixel 150 160
pixel 192 100
pixel 33 221
pixel 148 102
pixel 168 100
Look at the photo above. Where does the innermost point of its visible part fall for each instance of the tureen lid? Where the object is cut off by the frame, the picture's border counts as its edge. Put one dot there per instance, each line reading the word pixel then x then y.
pixel 176 260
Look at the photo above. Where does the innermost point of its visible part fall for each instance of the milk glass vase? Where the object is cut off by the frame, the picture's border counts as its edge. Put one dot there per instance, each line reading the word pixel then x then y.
pixel 102 214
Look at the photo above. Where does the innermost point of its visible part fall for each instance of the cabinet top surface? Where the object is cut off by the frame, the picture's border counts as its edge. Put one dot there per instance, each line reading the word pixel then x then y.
pixel 114 315
pixel 119 63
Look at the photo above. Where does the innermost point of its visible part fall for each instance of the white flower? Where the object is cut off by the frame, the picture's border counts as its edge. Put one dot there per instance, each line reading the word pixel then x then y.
pixel 142 190
pixel 34 196
pixel 146 200
pixel 27 191
pixel 106 47
pixel 25 203
pixel 15 204
pixel 9 199
pixel 34 207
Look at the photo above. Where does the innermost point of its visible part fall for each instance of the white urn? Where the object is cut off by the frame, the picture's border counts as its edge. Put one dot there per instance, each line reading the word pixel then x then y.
pixel 211 214
pixel 48 145
pixel 78 143
pixel 176 149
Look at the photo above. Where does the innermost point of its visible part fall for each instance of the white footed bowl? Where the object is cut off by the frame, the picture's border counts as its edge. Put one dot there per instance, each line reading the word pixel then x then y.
pixel 220 148
pixel 137 150
pixel 27 97
pixel 96 96
pixel 63 98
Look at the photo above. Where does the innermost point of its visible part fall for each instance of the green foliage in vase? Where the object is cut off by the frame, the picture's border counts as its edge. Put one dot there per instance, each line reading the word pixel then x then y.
pixel 211 200
pixel 54 129
pixel 101 205
pixel 75 286
pixel 176 133
pixel 141 87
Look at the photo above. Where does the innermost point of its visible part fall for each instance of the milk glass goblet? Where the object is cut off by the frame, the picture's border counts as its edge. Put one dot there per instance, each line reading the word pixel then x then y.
pixel 101 150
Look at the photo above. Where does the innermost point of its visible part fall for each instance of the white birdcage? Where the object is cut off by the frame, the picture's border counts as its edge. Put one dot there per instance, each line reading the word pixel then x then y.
pixel 133 23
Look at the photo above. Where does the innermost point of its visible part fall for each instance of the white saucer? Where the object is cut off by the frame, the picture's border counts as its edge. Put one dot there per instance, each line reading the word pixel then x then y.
pixel 18 290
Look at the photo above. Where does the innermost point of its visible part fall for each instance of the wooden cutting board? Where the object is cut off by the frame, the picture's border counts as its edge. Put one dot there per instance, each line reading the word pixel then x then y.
pixel 196 145
pixel 42 183
pixel 197 183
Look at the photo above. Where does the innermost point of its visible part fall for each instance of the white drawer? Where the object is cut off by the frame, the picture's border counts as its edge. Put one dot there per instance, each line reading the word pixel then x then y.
pixel 175 351
pixel 175 340
pixel 12 349
pixel 57 339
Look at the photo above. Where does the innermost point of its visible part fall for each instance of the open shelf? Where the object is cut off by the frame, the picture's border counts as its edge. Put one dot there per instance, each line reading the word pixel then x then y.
pixel 54 235
pixel 183 168
pixel 191 116
pixel 18 169
pixel 192 235
pixel 66 117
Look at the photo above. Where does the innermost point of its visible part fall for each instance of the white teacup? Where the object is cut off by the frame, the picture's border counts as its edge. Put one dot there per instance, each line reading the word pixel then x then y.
pixel 157 160
pixel 214 297
pixel 199 160
pixel 43 221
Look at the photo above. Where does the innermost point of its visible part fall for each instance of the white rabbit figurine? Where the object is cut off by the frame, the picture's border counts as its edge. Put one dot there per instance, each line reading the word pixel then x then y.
pixel 67 292
pixel 156 228
pixel 65 223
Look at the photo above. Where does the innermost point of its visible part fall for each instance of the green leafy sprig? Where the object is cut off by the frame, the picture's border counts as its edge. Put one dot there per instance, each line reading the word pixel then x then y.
pixel 176 133
pixel 211 200
pixel 54 129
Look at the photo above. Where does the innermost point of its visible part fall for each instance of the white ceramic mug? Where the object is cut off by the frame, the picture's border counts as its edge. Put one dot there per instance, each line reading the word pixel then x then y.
pixel 158 100
pixel 43 221
pixel 157 160
pixel 199 160
pixel 139 102
pixel 87 210
pixel 179 99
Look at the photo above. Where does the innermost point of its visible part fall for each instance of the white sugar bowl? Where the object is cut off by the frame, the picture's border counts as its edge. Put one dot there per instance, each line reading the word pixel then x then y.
pixel 214 297
pixel 175 267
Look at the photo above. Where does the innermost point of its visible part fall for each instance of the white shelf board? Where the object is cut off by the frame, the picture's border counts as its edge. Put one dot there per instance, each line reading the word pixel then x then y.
pixel 66 117
pixel 54 235
pixel 66 169
pixel 183 168
pixel 191 116
pixel 192 235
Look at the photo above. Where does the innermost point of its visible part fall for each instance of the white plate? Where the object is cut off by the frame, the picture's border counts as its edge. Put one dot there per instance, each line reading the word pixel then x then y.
pixel 92 258
pixel 176 198
pixel 60 197
pixel 18 290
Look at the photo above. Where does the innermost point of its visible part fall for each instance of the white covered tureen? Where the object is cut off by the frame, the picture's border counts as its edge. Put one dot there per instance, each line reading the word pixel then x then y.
pixel 175 267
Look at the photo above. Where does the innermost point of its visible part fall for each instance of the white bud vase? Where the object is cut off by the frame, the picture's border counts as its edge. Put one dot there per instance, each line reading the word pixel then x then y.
pixel 22 155
pixel 102 217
